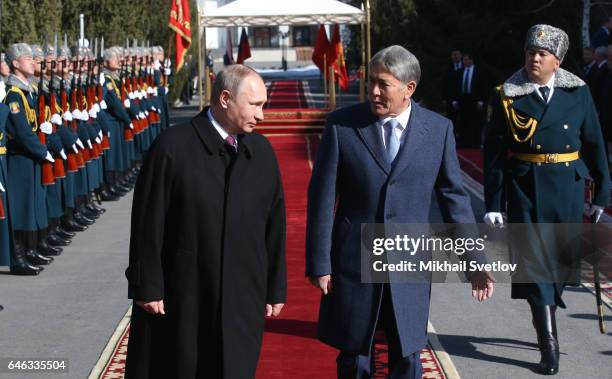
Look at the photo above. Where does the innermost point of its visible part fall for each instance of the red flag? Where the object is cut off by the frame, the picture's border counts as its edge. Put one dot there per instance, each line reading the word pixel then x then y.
pixel 228 57
pixel 321 48
pixel 335 57
pixel 180 22
pixel 244 50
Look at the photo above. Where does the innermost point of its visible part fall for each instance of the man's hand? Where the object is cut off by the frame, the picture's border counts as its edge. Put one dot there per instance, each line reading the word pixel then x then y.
pixel 482 285
pixel 455 104
pixel 152 307
pixel 494 219
pixel 273 310
pixel 323 283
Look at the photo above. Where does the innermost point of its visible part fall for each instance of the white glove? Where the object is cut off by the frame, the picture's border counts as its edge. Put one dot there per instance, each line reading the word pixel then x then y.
pixel 100 134
pixel 131 95
pixel 2 90
pixel 153 108
pixel 74 148
pixel 455 104
pixel 89 144
pixel 98 140
pixel 494 219
pixel 108 134
pixel 480 105
pixel 85 116
pixel 2 188
pixel 102 79
pixel 49 157
pixel 126 103
pixel 167 71
pixel 156 65
pixel 142 115
pixel 76 114
pixel 96 107
pixel 167 63
pixel 103 104
pixel 167 90
pixel 63 154
pixel 594 212
pixel 68 116
pixel 150 90
pixel 80 143
pixel 46 127
pixel 56 119
pixel 131 126
pixel 92 113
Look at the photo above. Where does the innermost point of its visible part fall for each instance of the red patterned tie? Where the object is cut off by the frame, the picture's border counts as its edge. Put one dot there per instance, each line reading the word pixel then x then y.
pixel 231 141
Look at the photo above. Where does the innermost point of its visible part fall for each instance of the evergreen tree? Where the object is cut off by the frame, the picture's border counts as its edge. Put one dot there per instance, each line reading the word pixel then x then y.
pixel 48 19
pixel 18 22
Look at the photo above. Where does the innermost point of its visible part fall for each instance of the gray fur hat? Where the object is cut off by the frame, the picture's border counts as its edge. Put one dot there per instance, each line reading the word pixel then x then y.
pixel 549 38
pixel 37 51
pixel 112 52
pixel 64 52
pixel 16 51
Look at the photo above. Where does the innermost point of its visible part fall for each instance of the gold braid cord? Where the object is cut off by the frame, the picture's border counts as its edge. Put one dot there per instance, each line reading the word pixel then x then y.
pixel 516 121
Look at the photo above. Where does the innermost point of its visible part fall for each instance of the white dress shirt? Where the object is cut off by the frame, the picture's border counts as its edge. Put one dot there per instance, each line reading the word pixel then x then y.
pixel 402 119
pixel 551 88
pixel 222 132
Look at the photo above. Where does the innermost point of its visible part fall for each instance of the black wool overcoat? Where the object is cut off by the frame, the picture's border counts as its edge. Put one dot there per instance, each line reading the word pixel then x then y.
pixel 207 237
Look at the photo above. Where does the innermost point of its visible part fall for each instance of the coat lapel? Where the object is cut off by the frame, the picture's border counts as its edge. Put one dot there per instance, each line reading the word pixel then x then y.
pixel 414 142
pixel 531 105
pixel 371 137
pixel 558 106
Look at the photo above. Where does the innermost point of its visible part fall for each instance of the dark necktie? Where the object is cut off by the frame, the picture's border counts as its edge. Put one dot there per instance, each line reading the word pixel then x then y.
pixel 544 91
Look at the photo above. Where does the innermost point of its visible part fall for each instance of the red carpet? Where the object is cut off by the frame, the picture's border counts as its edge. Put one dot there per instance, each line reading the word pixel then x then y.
pixel 286 94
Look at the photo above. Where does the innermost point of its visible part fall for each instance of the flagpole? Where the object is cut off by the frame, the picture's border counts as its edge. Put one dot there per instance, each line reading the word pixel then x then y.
pixel 200 94
pixel 369 42
pixel 362 72
pixel 325 76
pixel 332 89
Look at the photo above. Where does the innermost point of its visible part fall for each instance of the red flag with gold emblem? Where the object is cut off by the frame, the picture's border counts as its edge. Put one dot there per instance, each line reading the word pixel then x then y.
pixel 180 22
pixel 321 48
pixel 335 58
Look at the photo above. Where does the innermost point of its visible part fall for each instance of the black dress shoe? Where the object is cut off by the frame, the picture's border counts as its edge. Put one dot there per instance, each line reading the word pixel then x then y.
pixel 95 209
pixel 56 240
pixel 47 250
pixel 81 219
pixel 25 269
pixel 63 233
pixel 73 226
pixel 34 258
pixel 89 214
pixel 108 196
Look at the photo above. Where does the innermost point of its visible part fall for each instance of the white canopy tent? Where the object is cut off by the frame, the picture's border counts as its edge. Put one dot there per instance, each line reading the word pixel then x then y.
pixel 282 12
pixel 289 13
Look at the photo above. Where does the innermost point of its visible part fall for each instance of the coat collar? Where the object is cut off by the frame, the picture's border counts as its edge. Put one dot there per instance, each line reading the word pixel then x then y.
pixel 416 130
pixel 211 139
pixel 519 83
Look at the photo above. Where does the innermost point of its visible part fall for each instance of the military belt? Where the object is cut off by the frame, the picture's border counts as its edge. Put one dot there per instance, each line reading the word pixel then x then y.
pixel 547 158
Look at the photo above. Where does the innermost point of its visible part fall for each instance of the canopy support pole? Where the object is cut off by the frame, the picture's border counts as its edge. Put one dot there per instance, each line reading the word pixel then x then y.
pixel 368 31
pixel 200 42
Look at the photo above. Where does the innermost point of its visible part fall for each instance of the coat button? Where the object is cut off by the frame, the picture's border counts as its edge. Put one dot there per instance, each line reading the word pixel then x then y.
pixel 567 164
pixel 538 147
pixel 565 126
pixel 567 147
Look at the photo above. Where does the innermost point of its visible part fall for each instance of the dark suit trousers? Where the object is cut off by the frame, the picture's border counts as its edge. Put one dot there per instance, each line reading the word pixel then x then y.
pixel 355 366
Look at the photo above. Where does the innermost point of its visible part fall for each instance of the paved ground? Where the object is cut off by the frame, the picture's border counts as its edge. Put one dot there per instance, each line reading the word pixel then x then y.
pixel 73 307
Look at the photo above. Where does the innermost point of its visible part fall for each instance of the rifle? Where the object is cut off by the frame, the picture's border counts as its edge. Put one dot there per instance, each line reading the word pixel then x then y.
pixel 47 167
pixel 74 105
pixel 128 134
pixel 90 97
pixel 58 166
pixel 71 162
pixel 100 90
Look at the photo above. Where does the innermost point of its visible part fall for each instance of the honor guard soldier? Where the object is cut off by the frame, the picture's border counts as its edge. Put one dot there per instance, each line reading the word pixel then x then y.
pixel 25 156
pixel 543 139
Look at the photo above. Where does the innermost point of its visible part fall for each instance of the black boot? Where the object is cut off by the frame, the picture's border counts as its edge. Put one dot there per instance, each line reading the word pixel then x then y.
pixel 83 220
pixel 47 250
pixel 55 240
pixel 19 264
pixel 35 258
pixel 546 328
pixel 63 233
